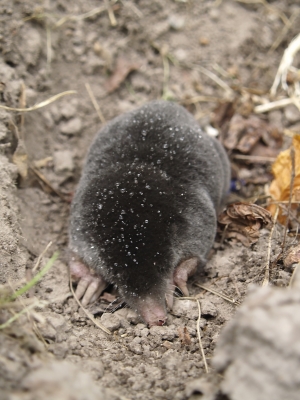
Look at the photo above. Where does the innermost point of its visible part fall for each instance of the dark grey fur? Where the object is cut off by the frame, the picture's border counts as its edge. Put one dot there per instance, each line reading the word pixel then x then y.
pixel 147 198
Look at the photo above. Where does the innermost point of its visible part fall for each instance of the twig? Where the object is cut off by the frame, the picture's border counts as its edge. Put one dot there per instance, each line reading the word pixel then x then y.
pixel 255 159
pixel 273 105
pixel 40 257
pixel 40 105
pixel 25 310
pixel 199 337
pixel 36 278
pixel 217 80
pixel 22 103
pixel 267 271
pixel 80 17
pixel 285 64
pixel 223 296
pixel 49 46
pixel 95 104
pixel 87 313
pixel 111 14
pixel 284 32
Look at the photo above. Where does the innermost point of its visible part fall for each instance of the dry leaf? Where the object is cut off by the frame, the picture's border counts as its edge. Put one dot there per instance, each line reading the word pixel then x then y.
pixel 282 170
pixel 123 68
pixel 244 221
pixel 184 336
pixel 292 257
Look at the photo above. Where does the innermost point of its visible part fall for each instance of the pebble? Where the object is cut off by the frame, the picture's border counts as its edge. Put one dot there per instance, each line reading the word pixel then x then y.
pixel 110 321
pixel 63 161
pixel 185 308
pixel 33 46
pixel 165 332
pixel 292 114
pixel 176 22
pixel 208 308
pixel 71 127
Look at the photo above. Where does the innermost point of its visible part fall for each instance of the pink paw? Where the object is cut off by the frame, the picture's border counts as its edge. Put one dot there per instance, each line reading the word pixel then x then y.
pixel 180 277
pixel 89 286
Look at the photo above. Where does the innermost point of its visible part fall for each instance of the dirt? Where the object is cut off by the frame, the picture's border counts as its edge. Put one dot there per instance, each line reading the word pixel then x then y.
pixel 155 50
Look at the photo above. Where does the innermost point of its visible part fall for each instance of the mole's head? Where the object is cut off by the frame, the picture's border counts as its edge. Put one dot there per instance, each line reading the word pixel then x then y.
pixel 133 219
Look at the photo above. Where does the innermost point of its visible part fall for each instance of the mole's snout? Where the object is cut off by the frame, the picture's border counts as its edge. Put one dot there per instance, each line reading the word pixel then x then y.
pixel 153 313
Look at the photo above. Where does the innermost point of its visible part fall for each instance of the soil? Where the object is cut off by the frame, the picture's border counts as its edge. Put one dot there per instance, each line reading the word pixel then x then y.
pixel 130 52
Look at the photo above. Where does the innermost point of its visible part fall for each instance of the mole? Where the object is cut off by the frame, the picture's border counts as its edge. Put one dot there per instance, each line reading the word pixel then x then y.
pixel 144 214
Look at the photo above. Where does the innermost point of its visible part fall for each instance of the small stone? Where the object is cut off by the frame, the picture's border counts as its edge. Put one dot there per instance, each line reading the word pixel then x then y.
pixel 63 161
pixel 69 110
pixel 208 308
pixel 133 317
pixel 185 308
pixel 136 348
pixel 110 321
pixel 163 331
pixel 176 22
pixel 71 127
pixel 292 114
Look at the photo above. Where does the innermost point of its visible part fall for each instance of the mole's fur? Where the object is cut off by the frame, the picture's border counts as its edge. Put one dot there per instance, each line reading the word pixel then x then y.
pixel 147 202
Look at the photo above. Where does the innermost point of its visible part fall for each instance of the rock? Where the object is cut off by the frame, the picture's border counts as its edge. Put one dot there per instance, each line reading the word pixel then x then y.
pixel 69 109
pixel 165 332
pixel 110 321
pixel 176 22
pixel 208 308
pixel 185 308
pixel 61 380
pixel 71 127
pixel 63 161
pixel 31 45
pixel 292 114
pixel 259 351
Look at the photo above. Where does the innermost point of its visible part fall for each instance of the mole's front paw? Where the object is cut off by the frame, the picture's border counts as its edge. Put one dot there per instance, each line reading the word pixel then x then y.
pixel 182 273
pixel 89 286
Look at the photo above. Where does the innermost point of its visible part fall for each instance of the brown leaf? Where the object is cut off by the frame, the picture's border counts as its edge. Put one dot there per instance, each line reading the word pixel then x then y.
pixel 244 222
pixel 123 68
pixel 184 336
pixel 292 257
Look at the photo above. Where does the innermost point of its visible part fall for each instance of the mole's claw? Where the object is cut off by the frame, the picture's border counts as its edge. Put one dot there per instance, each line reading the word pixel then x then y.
pixel 94 289
pixel 181 274
pixel 89 286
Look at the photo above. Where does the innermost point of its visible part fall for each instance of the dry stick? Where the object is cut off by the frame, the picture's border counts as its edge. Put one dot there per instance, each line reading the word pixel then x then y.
pixel 95 104
pixel 40 105
pixel 284 32
pixel 88 314
pixel 22 102
pixel 49 46
pixel 268 6
pixel 80 17
pixel 217 80
pixel 267 271
pixel 292 155
pixel 111 14
pixel 258 159
pixel 47 183
pixel 273 105
pixel 199 337
pixel 40 257
pixel 166 75
pixel 223 296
